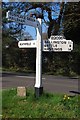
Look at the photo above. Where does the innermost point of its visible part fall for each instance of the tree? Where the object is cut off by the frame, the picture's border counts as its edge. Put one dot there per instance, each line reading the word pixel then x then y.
pixel 71 23
pixel 38 10
pixel 41 10
pixel 53 15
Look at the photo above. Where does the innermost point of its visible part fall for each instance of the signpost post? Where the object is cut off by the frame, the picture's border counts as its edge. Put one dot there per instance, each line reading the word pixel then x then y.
pixel 38 83
pixel 55 43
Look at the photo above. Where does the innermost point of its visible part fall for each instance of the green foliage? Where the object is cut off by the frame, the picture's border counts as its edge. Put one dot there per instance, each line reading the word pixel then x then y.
pixel 72 21
pixel 69 103
pixel 47 106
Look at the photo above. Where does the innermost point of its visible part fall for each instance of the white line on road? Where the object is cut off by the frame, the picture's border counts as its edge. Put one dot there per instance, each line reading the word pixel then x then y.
pixel 27 77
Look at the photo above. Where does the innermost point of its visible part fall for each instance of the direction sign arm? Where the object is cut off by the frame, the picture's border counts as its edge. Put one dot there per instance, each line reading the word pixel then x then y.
pixel 22 19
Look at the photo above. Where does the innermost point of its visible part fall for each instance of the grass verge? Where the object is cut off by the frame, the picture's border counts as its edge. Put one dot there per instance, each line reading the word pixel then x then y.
pixel 47 106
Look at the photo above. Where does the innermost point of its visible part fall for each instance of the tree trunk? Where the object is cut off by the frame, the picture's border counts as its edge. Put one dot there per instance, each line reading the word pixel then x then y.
pixel 57 22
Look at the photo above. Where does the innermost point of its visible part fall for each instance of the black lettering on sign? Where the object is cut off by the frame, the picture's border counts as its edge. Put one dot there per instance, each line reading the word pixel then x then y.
pixel 60 49
pixel 54 45
pixel 63 42
pixel 25 43
pixel 31 19
pixel 59 42
pixel 33 43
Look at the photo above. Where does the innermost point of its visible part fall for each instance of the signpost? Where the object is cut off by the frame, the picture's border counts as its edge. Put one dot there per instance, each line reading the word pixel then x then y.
pixel 55 43
pixel 31 44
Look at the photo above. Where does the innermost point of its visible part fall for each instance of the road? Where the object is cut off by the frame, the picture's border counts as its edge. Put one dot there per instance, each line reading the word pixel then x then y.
pixel 53 84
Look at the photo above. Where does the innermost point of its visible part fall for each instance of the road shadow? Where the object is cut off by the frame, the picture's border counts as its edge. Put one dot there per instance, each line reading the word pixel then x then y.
pixel 76 92
pixel 7 74
pixel 13 74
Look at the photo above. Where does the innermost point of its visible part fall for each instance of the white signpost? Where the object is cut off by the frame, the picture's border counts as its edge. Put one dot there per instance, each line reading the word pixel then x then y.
pixel 55 43
pixel 31 44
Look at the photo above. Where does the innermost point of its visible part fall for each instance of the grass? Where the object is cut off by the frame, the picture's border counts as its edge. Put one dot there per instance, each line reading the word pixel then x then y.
pixel 47 106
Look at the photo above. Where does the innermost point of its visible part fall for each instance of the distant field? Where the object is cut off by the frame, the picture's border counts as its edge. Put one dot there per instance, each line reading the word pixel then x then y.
pixel 47 106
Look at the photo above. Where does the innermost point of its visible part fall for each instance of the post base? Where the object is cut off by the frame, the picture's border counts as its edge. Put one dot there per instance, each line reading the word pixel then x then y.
pixel 38 92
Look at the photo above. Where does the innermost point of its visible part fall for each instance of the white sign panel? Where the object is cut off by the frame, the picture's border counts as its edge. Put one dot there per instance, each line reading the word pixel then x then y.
pixel 27 44
pixel 57 45
pixel 48 45
pixel 57 37
pixel 22 19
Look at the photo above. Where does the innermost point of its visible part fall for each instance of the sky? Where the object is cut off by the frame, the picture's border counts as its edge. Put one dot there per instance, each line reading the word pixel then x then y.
pixel 32 30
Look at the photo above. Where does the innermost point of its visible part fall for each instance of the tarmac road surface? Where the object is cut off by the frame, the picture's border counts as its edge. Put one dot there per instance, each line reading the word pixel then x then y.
pixel 53 84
